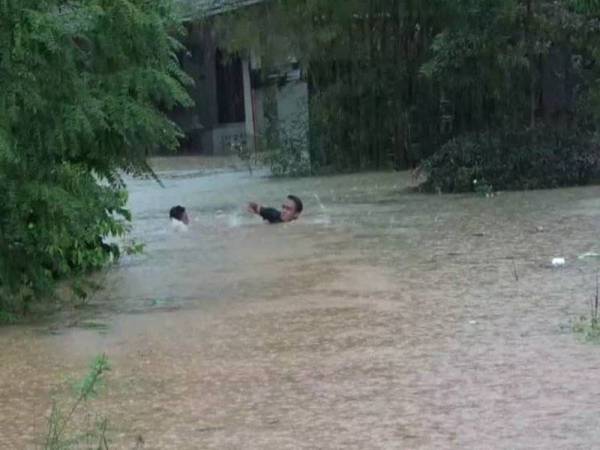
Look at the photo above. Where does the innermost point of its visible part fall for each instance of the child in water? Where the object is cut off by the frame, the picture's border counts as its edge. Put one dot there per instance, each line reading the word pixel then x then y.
pixel 179 218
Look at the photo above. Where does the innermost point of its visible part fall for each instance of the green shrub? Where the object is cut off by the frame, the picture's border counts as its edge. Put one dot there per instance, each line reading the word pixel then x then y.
pixel 287 159
pixel 512 160
pixel 286 151
pixel 82 87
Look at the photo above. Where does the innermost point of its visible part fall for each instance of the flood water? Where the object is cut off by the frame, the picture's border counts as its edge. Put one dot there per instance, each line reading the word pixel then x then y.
pixel 381 319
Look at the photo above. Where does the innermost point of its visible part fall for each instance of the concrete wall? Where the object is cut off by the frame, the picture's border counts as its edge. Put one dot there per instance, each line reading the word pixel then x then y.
pixel 204 133
pixel 223 135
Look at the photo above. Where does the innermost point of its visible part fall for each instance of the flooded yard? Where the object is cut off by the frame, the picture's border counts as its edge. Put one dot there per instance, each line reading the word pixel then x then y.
pixel 381 319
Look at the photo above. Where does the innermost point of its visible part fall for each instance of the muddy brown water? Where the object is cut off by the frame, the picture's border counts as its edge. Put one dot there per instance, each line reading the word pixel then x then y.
pixel 381 319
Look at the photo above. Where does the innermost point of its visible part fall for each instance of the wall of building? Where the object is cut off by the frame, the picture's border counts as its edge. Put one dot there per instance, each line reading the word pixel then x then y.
pixel 211 133
pixel 204 133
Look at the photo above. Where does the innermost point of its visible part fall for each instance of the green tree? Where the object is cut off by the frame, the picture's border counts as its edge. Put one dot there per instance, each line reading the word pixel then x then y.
pixel 393 80
pixel 82 86
pixel 370 105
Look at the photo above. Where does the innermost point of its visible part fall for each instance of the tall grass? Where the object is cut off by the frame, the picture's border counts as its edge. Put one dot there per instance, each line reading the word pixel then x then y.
pixel 61 434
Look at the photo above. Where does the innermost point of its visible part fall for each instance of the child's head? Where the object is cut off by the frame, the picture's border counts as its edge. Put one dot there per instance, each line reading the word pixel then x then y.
pixel 178 213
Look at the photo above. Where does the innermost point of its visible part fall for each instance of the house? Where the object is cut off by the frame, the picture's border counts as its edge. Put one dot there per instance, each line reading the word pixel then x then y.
pixel 235 102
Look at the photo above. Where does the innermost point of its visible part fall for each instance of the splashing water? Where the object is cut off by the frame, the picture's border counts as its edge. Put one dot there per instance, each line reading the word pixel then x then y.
pixel 320 203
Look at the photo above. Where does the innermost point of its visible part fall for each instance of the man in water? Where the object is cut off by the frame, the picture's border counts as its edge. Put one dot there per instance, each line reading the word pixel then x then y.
pixel 179 218
pixel 290 210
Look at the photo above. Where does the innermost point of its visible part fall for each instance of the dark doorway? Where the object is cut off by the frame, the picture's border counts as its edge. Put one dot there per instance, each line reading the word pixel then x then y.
pixel 230 88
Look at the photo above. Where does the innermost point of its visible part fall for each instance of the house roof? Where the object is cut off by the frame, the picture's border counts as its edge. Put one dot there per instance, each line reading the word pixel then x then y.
pixel 207 8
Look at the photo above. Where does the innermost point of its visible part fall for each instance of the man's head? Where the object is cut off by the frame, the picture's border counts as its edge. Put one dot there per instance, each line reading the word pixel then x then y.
pixel 291 209
pixel 178 213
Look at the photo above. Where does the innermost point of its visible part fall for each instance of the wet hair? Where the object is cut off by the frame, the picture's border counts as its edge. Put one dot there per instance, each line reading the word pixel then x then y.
pixel 297 202
pixel 177 212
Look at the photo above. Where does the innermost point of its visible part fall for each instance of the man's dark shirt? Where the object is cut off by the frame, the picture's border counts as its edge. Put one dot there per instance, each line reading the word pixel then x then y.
pixel 271 214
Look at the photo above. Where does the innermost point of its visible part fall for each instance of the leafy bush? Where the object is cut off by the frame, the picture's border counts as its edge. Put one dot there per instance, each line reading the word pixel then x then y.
pixel 543 158
pixel 286 151
pixel 287 159
pixel 52 228
pixel 82 84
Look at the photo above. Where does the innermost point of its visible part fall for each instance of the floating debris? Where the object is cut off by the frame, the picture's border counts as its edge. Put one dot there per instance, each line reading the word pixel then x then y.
pixel 558 262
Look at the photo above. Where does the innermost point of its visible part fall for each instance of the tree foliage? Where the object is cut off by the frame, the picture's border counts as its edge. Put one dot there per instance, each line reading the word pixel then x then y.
pixel 393 80
pixel 82 86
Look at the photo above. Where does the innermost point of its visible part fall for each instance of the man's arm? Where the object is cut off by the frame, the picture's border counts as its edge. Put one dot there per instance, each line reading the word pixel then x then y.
pixel 254 208
pixel 269 214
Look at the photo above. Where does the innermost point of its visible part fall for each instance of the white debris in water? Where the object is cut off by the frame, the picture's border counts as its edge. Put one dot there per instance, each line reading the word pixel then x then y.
pixel 472 322
pixel 558 262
